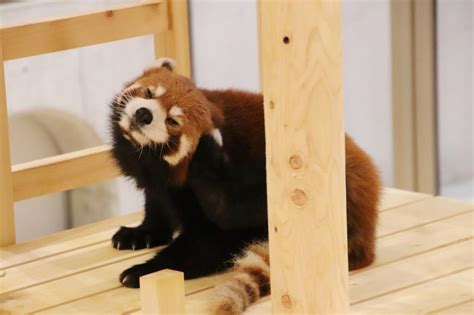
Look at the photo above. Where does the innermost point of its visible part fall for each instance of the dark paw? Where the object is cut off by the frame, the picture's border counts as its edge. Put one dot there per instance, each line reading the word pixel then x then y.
pixel 209 156
pixel 137 238
pixel 130 277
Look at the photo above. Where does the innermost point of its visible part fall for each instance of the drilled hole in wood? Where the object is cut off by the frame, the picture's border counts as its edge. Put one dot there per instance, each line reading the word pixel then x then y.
pixel 286 40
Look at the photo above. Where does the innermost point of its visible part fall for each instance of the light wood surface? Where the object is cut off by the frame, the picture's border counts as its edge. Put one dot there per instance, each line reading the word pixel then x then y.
pixel 162 292
pixel 302 87
pixel 77 271
pixel 174 42
pixel 413 95
pixel 63 172
pixel 83 30
pixel 7 216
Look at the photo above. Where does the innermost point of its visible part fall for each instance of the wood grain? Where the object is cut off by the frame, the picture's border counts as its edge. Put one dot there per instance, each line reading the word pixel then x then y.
pixel 83 30
pixel 162 292
pixel 7 216
pixel 302 86
pixel 63 172
pixel 174 42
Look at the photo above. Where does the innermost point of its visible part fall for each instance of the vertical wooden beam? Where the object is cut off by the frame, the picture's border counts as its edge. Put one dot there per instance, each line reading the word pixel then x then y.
pixel 7 217
pixel 404 147
pixel 175 42
pixel 302 84
pixel 162 292
pixel 413 95
pixel 425 96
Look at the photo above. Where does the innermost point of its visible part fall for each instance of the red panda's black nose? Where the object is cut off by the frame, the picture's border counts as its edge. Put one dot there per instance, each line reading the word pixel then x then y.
pixel 143 116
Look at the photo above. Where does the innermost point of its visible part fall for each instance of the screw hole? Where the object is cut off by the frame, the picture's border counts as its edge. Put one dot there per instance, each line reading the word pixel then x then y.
pixel 286 40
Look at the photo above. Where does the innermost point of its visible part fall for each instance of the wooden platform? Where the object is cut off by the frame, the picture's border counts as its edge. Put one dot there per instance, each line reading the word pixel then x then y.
pixel 425 265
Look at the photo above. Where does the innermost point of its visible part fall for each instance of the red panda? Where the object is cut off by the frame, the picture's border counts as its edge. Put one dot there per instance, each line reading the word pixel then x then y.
pixel 212 146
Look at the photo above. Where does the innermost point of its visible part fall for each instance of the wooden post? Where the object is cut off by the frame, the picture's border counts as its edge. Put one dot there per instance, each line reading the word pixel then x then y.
pixel 162 292
pixel 302 84
pixel 175 42
pixel 413 95
pixel 7 216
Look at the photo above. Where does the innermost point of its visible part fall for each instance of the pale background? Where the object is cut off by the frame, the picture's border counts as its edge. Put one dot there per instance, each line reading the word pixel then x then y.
pixel 224 54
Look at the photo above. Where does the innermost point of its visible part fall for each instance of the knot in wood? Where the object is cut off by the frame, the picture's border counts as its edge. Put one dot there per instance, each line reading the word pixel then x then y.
pixel 109 13
pixel 286 301
pixel 299 197
pixel 296 162
pixel 272 105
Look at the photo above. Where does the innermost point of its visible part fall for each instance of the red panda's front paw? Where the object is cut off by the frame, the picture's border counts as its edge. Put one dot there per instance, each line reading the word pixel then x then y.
pixel 137 238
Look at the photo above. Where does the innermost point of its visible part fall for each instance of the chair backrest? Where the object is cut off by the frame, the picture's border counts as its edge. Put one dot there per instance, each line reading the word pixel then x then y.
pixel 167 20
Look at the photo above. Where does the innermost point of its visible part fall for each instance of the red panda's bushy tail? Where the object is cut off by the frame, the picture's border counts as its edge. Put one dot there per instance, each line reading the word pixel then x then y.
pixel 250 282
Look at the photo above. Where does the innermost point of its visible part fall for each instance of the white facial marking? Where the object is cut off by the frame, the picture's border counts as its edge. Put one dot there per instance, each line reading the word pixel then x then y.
pixel 128 89
pixel 160 90
pixel 216 134
pixel 176 111
pixel 155 131
pixel 183 150
pixel 124 123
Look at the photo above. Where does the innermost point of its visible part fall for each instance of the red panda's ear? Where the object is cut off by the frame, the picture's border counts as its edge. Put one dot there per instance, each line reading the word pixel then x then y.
pixel 164 62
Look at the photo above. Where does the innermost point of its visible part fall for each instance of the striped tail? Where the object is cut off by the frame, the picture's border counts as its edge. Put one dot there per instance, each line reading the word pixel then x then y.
pixel 250 282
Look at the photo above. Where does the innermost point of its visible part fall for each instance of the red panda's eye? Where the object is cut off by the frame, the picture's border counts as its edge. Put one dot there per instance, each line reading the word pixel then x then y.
pixel 171 121
pixel 149 93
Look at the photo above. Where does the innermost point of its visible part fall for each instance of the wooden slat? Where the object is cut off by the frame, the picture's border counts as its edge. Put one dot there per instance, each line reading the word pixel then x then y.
pixel 65 241
pixel 392 198
pixel 302 87
pixel 59 266
pixel 411 271
pixel 420 213
pixel 162 292
pixel 7 217
pixel 63 172
pixel 84 30
pixel 464 308
pixel 422 298
pixel 174 42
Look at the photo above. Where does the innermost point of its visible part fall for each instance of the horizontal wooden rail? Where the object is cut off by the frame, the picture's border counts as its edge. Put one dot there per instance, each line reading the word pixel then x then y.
pixel 84 29
pixel 63 172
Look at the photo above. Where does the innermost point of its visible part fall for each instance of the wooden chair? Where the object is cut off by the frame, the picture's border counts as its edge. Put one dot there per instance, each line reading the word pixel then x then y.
pixel 425 243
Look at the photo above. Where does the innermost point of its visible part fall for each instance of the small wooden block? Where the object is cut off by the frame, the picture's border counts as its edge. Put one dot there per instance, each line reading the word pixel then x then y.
pixel 162 292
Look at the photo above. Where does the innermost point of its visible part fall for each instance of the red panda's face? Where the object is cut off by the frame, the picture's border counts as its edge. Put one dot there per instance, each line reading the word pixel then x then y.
pixel 163 108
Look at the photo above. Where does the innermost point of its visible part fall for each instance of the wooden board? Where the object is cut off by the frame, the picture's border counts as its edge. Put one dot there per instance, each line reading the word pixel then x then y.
pixel 301 59
pixel 428 249
pixel 63 172
pixel 71 32
pixel 7 217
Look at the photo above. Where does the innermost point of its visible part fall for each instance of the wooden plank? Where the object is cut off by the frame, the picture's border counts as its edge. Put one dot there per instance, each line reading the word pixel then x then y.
pixel 418 299
pixel 424 238
pixel 420 213
pixel 63 265
pixel 63 172
pixel 422 298
pixel 174 42
pixel 302 87
pixel 7 216
pixel 403 107
pixel 392 198
pixel 411 271
pixel 70 32
pixel 425 96
pixel 125 300
pixel 69 288
pixel 162 292
pixel 460 309
pixel 65 241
